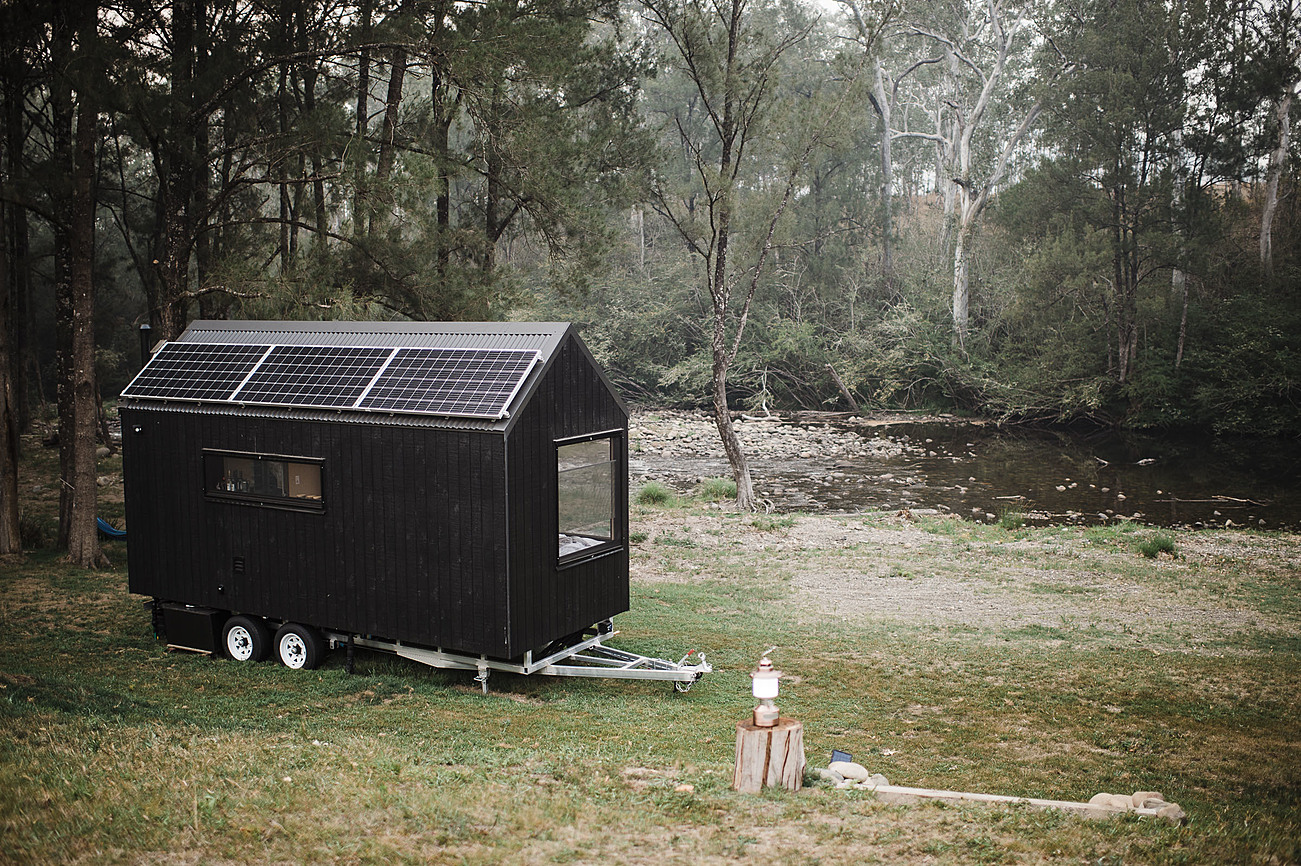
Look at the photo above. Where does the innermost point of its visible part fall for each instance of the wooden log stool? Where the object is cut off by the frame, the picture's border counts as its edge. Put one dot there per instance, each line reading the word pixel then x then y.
pixel 769 756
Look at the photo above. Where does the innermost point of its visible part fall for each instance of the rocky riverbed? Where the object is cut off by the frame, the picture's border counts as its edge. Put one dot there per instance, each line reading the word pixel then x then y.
pixel 893 461
pixel 802 462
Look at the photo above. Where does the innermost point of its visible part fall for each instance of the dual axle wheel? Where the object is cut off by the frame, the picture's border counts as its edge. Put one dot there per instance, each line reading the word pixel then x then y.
pixel 247 638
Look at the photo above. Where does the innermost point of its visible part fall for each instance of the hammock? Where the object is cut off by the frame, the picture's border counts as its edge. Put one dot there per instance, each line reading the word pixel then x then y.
pixel 107 529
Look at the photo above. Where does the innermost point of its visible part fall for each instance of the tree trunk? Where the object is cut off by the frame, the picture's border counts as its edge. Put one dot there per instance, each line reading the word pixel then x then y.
pixel 61 118
pixel 961 286
pixel 10 533
pixel 15 239
pixel 360 202
pixel 1277 159
pixel 491 196
pixel 83 536
pixel 442 107
pixel 723 421
pixel 720 292
pixel 171 288
pixel 771 757
pixel 282 165
pixel 885 109
pixel 206 246
pixel 310 75
pixel 392 105
pixel 1183 323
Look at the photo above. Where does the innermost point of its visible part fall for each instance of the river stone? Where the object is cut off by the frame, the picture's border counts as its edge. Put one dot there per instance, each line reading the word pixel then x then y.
pixel 826 775
pixel 1152 803
pixel 876 780
pixel 850 770
pixel 1111 801
pixel 1141 797
pixel 1172 813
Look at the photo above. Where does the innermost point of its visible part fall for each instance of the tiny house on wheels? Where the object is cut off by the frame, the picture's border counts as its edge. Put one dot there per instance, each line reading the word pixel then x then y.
pixel 453 493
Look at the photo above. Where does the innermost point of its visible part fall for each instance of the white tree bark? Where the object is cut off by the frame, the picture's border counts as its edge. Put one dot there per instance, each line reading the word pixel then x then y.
pixel 1277 159
pixel 957 120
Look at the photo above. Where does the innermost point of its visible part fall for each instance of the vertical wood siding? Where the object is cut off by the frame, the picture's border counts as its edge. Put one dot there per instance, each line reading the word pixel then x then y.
pixel 411 544
pixel 551 602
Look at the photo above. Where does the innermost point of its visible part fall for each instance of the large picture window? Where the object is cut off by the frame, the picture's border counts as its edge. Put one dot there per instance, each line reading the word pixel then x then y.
pixel 588 496
pixel 264 479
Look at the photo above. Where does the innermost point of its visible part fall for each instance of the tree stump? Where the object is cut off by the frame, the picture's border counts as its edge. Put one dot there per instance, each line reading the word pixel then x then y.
pixel 769 757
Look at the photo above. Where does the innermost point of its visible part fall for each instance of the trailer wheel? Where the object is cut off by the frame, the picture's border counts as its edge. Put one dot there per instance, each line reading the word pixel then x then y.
pixel 299 646
pixel 246 639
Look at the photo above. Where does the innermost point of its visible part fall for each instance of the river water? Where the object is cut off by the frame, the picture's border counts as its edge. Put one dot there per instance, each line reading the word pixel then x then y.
pixel 981 471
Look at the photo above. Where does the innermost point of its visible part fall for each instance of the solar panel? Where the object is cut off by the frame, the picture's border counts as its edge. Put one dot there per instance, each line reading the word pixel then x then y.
pixel 312 376
pixel 464 383
pixel 469 383
pixel 194 371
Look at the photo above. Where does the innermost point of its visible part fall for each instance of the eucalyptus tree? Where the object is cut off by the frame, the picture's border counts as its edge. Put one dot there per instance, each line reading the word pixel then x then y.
pixel 1278 28
pixel 982 113
pixel 735 177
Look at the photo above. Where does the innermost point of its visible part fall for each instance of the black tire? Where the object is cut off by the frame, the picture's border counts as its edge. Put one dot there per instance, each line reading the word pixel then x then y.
pixel 246 639
pixel 299 646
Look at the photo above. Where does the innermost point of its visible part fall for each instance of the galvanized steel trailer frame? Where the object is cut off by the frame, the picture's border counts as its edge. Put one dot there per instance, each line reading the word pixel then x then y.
pixel 587 658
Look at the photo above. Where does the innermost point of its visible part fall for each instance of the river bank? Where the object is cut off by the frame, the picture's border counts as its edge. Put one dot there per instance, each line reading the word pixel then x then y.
pixel 977 470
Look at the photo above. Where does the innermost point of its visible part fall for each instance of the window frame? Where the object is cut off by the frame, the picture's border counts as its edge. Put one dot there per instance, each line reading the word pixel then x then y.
pixel 213 467
pixel 618 497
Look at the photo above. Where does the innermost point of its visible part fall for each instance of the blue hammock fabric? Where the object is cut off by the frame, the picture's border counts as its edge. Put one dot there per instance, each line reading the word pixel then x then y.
pixel 107 530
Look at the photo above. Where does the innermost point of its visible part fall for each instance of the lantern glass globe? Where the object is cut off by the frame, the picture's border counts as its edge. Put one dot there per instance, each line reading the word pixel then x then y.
pixel 765 688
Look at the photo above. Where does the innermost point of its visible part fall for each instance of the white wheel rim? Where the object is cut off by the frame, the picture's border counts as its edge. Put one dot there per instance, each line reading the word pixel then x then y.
pixel 293 651
pixel 239 643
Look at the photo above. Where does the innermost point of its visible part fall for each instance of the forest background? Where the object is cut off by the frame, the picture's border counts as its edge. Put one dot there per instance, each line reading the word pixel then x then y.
pixel 1037 210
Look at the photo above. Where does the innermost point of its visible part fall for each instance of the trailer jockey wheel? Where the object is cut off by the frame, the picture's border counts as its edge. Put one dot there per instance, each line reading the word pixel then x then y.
pixel 246 639
pixel 299 646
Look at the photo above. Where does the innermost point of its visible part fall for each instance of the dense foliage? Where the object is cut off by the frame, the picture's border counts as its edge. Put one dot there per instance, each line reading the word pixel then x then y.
pixel 1034 209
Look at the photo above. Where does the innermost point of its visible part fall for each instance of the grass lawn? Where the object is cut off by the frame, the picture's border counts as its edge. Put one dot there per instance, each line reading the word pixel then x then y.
pixel 1053 662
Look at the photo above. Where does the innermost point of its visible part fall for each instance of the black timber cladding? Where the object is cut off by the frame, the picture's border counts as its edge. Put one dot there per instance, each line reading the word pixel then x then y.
pixel 434 530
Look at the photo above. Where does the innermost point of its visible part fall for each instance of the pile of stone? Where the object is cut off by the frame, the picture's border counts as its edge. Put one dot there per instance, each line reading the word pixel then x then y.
pixel 848 774
pixel 1140 801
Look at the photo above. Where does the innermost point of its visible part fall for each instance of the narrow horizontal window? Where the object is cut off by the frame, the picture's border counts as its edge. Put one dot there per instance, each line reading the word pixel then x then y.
pixel 264 479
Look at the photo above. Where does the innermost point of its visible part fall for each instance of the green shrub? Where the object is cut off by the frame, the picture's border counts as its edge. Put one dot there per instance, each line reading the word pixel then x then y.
pixel 1157 544
pixel 769 523
pixel 654 493
pixel 1010 518
pixel 716 489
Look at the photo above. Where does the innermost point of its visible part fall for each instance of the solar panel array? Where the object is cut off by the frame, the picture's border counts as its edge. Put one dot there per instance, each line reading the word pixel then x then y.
pixel 195 371
pixel 465 383
pixel 332 377
pixel 476 383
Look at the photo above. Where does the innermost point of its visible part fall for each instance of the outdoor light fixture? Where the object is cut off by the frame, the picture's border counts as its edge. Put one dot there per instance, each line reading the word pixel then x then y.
pixel 764 687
